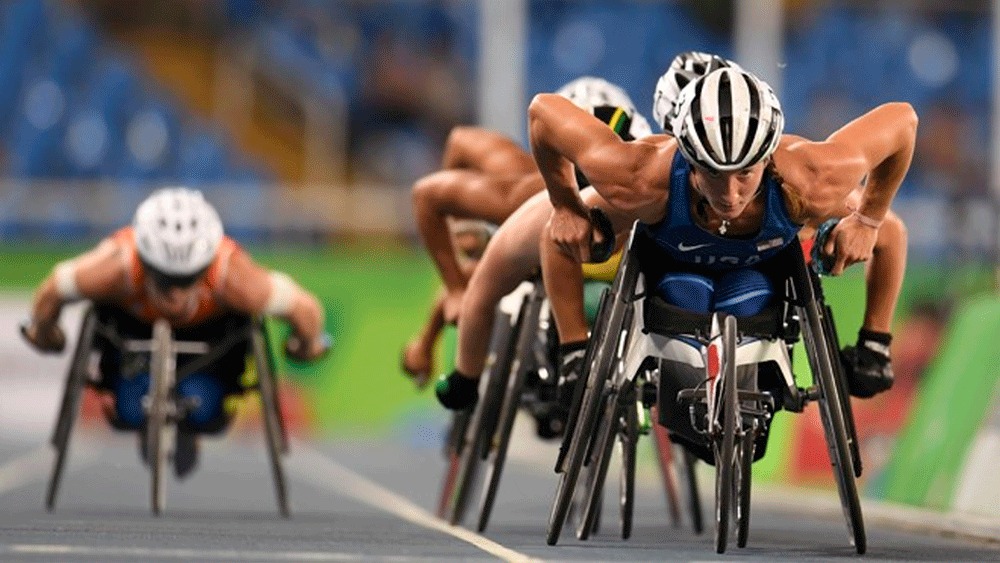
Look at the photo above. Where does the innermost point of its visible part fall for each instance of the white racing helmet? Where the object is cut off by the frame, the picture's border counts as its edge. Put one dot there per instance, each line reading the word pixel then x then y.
pixel 685 67
pixel 177 233
pixel 727 120
pixel 590 93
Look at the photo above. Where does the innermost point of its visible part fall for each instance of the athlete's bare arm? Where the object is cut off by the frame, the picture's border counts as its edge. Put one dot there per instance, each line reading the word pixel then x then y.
pixel 623 173
pixel 96 274
pixel 251 289
pixel 484 150
pixel 495 177
pixel 878 145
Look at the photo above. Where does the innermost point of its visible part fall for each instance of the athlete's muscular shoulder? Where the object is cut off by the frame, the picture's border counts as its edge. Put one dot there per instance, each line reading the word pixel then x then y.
pixel 647 185
pixel 485 150
pixel 245 285
pixel 817 175
pixel 103 272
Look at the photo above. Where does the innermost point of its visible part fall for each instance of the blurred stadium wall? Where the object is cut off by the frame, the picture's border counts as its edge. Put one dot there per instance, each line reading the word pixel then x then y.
pixel 306 122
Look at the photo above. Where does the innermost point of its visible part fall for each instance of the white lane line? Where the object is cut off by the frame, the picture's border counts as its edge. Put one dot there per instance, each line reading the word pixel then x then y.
pixel 183 554
pixel 326 473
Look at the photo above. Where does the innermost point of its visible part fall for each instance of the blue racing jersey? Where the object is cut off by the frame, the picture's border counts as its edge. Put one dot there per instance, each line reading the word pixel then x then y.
pixel 686 242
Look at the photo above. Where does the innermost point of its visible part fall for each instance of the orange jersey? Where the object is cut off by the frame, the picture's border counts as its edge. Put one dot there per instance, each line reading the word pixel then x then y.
pixel 141 303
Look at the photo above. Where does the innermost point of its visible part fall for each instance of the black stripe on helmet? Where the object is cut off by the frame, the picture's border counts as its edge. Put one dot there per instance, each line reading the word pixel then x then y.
pixel 726 116
pixel 754 119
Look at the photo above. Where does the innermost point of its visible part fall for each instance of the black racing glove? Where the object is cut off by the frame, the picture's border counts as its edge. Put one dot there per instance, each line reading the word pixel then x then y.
pixel 457 392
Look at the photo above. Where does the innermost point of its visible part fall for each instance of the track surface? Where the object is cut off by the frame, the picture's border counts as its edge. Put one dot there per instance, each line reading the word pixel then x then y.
pixel 361 501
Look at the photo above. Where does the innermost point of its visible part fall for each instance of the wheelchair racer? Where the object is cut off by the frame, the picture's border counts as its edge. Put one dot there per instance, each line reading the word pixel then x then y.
pixel 514 257
pixel 487 176
pixel 512 254
pixel 735 194
pixel 175 263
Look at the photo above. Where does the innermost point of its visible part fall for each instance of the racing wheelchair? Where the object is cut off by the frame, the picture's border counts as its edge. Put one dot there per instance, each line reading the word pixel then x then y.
pixel 729 374
pixel 520 375
pixel 170 355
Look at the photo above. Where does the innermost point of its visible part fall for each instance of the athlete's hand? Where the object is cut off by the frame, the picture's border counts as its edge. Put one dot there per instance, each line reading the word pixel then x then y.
pixel 572 232
pixel 45 338
pixel 851 241
pixel 307 350
pixel 452 306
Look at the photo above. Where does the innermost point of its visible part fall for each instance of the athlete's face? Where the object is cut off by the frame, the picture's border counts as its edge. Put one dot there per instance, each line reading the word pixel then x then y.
pixel 728 193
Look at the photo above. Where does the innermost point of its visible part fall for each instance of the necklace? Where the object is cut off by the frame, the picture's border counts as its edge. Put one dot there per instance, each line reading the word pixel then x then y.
pixel 702 208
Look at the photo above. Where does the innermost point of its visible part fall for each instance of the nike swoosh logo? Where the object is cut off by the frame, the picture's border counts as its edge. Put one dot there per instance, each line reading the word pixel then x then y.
pixel 685 248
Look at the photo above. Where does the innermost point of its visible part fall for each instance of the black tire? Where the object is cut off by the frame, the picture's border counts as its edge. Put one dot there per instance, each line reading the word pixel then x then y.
pixel 596 375
pixel 272 372
pixel 162 363
pixel 743 485
pixel 483 420
pixel 629 439
pixel 835 426
pixel 725 448
pixel 597 466
pixel 76 380
pixel 527 337
pixel 456 434
pixel 833 345
pixel 600 326
pixel 271 413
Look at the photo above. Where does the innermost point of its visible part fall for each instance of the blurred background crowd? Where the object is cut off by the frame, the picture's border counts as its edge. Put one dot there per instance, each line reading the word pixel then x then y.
pixel 266 96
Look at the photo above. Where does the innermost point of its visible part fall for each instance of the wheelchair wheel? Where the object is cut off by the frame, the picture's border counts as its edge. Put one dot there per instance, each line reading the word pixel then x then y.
pixel 273 428
pixel 483 418
pixel 76 380
pixel 456 433
pixel 600 326
pixel 527 336
pixel 272 372
pixel 159 426
pixel 628 439
pixel 743 484
pixel 597 466
pixel 596 374
pixel 835 425
pixel 725 445
pixel 833 345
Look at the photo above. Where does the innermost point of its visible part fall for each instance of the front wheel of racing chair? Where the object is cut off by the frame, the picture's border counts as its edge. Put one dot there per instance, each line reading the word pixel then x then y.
pixel 160 410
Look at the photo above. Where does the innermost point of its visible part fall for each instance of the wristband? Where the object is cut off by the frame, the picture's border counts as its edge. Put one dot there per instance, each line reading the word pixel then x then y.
pixel 866 220
pixel 65 278
pixel 282 295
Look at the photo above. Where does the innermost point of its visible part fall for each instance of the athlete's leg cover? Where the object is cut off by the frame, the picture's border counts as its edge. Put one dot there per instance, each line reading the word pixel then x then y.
pixel 128 400
pixel 203 393
pixel 687 291
pixel 743 292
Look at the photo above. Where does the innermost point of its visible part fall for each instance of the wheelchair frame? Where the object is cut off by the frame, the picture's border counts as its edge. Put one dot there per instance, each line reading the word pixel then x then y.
pixel 621 343
pixel 162 409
